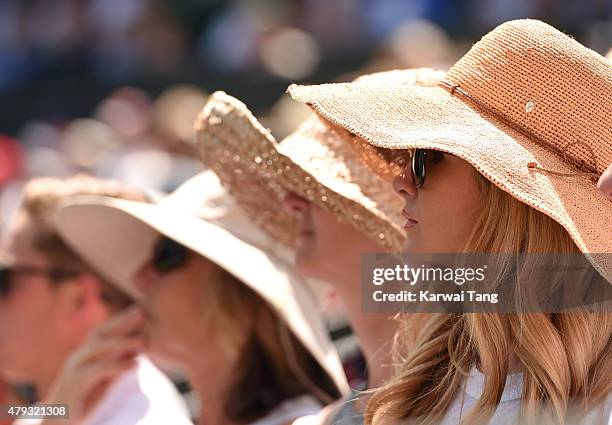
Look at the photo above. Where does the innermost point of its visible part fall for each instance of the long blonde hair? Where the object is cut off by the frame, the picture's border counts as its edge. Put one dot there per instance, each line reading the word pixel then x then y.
pixel 566 358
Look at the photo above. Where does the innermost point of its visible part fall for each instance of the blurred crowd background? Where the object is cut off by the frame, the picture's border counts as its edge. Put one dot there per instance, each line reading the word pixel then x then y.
pixel 112 87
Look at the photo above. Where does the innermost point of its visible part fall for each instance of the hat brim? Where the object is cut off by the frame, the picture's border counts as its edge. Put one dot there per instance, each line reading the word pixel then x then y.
pixel 258 173
pixel 407 117
pixel 117 236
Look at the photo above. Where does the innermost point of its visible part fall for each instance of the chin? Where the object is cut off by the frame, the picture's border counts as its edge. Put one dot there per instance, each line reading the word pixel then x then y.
pixel 159 350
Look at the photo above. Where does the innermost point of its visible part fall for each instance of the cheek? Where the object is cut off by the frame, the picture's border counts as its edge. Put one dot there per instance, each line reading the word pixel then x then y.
pixel 448 213
pixel 175 301
pixel 164 299
pixel 328 230
pixel 27 304
pixel 453 209
pixel 465 199
pixel 27 323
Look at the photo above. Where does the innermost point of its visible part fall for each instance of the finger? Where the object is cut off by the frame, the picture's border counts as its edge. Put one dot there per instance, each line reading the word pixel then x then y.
pixel 145 308
pixel 124 323
pixel 74 387
pixel 92 374
pixel 95 383
pixel 119 360
pixel 95 350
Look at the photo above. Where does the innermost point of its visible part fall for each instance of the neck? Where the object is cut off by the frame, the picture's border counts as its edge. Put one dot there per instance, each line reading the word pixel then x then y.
pixel 374 331
pixel 211 380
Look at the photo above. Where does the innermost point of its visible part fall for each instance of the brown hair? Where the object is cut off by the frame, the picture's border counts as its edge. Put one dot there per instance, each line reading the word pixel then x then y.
pixel 566 357
pixel 41 201
pixel 274 366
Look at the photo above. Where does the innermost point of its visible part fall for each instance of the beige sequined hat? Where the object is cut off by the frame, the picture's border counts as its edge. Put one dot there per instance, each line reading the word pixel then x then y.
pixel 312 162
pixel 529 107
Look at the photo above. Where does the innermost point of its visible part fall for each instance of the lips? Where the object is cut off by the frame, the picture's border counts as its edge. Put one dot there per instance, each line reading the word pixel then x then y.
pixel 410 222
pixel 305 230
pixel 306 227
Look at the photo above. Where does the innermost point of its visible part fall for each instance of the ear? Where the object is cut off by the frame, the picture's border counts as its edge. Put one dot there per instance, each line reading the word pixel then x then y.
pixel 79 298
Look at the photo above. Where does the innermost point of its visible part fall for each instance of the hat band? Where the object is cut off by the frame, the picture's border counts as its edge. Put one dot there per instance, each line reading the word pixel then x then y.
pixel 591 170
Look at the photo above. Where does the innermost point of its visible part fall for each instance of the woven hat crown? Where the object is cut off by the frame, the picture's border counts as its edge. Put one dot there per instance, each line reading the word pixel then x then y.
pixel 546 84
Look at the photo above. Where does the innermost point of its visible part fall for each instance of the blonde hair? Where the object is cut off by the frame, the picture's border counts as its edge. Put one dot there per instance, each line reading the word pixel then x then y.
pixel 565 357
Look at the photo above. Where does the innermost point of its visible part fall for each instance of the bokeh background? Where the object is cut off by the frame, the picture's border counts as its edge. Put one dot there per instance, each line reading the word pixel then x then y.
pixel 112 87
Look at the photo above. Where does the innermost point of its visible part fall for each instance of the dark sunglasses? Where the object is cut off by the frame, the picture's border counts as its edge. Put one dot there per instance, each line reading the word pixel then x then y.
pixel 8 274
pixel 419 159
pixel 168 255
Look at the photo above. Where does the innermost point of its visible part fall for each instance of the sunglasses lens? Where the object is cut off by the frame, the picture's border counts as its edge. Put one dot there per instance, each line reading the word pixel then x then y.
pixel 168 255
pixel 418 167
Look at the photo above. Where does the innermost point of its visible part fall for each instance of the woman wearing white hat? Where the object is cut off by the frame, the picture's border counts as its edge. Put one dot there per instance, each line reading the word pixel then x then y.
pixel 505 157
pixel 221 301
pixel 311 192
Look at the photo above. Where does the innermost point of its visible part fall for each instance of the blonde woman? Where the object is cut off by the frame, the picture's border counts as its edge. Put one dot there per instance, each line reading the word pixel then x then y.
pixel 504 158
pixel 311 192
pixel 220 300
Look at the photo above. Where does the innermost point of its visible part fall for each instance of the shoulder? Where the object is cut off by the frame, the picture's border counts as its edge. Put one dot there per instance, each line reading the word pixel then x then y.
pixel 601 414
pixel 289 410
pixel 339 412
pixel 323 417
pixel 142 395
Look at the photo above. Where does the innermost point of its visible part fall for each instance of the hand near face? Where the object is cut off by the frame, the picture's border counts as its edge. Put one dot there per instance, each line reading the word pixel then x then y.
pixel 89 371
pixel 605 183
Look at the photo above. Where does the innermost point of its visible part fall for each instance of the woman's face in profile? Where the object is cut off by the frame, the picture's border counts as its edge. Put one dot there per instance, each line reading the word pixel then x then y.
pixel 173 282
pixel 441 214
pixel 324 243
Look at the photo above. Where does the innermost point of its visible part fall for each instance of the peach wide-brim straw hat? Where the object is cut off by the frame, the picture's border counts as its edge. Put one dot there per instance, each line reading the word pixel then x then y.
pixel 312 162
pixel 116 237
pixel 529 107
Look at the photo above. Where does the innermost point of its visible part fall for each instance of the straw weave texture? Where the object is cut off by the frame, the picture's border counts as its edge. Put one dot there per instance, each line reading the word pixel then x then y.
pixel 525 95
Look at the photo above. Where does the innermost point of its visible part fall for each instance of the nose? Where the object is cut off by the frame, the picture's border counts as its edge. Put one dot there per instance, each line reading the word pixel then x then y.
pixel 404 186
pixel 144 277
pixel 295 204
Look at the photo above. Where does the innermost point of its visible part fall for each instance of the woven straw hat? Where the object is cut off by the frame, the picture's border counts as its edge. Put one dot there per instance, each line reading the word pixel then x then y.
pixel 312 162
pixel 117 236
pixel 529 107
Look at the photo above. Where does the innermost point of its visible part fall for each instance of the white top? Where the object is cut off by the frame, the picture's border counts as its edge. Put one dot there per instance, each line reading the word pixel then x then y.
pixel 509 406
pixel 141 396
pixel 290 410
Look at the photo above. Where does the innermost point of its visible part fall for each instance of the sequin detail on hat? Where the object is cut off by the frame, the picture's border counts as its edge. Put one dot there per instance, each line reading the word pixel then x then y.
pixel 312 162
